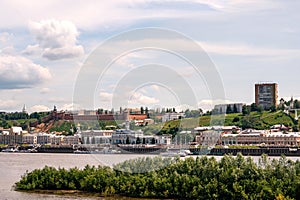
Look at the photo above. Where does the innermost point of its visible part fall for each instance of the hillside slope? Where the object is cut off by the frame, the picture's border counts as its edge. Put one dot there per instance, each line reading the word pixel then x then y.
pixel 255 120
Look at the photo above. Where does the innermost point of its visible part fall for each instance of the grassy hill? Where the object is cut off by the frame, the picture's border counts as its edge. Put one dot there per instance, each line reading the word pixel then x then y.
pixel 256 120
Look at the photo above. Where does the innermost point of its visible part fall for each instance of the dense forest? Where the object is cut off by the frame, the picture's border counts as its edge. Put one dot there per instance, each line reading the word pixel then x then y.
pixel 192 178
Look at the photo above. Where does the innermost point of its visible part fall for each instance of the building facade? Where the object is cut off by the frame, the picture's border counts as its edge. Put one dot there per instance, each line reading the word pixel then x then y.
pixel 234 107
pixel 172 116
pixel 266 95
pixel 258 137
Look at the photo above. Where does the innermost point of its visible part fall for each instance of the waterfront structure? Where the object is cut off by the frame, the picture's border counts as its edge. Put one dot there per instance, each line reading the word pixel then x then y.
pixel 29 139
pixel 43 138
pixel 70 140
pixel 96 136
pixel 266 95
pixel 208 138
pixel 11 136
pixel 10 139
pixel 262 137
pixel 123 136
pixel 211 135
pixel 49 139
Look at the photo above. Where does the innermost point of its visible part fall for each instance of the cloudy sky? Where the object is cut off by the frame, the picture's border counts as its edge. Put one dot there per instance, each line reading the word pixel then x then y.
pixel 44 45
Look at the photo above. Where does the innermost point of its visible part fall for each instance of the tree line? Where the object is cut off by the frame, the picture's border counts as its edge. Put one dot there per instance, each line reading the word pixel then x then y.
pixel 192 178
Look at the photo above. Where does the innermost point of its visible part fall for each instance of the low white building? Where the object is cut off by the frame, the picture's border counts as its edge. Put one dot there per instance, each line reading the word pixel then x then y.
pixel 262 137
pixel 30 139
pixel 208 138
pixel 133 137
pixel 217 128
pixel 71 139
pixel 16 130
pixel 172 116
pixel 234 107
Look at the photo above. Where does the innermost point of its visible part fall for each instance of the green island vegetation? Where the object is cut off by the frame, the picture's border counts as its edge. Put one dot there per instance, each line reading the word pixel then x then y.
pixel 192 178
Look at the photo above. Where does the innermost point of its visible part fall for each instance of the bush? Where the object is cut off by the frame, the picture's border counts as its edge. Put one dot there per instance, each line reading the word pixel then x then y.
pixel 193 178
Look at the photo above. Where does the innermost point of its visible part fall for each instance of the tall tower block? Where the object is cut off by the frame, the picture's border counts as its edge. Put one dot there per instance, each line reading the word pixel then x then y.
pixel 266 95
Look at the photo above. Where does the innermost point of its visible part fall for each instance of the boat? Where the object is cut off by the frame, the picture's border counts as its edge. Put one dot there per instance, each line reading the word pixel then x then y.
pixel 55 149
pixel 182 153
pixel 141 148
pixel 201 150
pixel 293 149
pixel 10 150
pixel 81 152
pixel 169 154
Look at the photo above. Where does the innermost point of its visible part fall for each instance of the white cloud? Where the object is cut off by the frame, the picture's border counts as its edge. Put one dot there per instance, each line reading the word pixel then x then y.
pixel 20 72
pixel 38 108
pixel 246 50
pixel 32 50
pixel 10 50
pixel 138 98
pixel 44 90
pixel 56 39
pixel 70 107
pixel 8 104
pixel 233 6
pixel 155 87
pixel 108 14
pixel 105 96
pixel 5 37
pixel 221 48
pixel 57 100
pixel 208 104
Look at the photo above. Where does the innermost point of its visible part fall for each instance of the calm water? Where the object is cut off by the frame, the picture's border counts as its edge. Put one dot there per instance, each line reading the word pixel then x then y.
pixel 14 165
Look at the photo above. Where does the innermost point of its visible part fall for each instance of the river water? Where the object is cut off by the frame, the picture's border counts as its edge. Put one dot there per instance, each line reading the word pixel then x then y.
pixel 14 165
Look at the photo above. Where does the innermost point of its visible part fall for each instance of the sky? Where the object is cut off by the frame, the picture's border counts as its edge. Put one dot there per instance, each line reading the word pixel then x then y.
pixel 45 46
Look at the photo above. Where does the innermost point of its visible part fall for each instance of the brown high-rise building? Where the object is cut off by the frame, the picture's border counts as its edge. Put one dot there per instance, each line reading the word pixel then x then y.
pixel 266 95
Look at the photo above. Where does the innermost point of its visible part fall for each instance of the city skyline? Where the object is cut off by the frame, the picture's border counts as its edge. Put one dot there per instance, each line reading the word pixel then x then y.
pixel 43 46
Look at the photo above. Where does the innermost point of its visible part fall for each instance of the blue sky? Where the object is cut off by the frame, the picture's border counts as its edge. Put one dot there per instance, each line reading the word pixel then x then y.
pixel 44 44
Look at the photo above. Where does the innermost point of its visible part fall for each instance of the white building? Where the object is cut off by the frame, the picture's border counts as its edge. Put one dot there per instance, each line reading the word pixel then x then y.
pixel 261 137
pixel 209 138
pixel 132 137
pixel 222 108
pixel 172 116
pixel 71 139
pixel 96 136
pixel 16 130
pixel 30 139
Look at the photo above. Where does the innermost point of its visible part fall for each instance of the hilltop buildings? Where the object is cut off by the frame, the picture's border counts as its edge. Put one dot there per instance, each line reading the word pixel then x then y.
pixel 266 95
pixel 229 108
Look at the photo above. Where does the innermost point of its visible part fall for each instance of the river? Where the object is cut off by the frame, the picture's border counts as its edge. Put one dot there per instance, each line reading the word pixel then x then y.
pixel 14 165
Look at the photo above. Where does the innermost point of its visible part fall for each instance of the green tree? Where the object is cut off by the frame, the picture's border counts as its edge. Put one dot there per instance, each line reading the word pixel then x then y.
pixel 248 122
pixel 273 108
pixel 245 110
pixel 146 111
pixel 253 107
pixel 259 109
